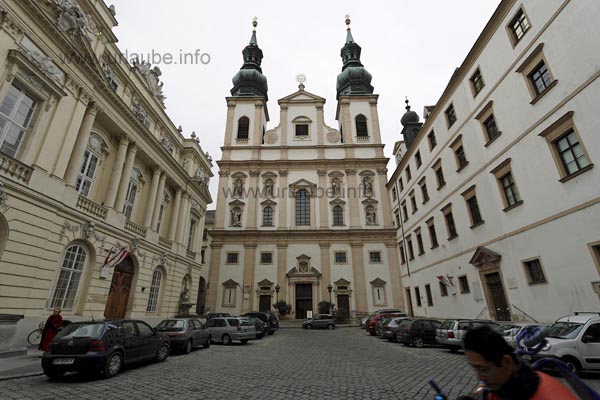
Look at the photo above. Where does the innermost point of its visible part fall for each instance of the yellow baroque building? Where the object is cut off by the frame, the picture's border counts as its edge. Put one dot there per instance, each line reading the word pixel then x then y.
pixel 102 199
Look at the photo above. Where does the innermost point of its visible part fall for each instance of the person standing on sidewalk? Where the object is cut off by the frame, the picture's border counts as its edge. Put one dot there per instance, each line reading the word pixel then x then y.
pixel 53 324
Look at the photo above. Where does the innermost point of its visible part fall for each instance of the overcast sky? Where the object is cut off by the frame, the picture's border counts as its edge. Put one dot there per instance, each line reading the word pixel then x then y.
pixel 410 47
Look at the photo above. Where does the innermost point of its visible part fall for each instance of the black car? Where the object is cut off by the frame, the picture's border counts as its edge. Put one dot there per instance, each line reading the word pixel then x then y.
pixel 417 332
pixel 265 316
pixel 103 346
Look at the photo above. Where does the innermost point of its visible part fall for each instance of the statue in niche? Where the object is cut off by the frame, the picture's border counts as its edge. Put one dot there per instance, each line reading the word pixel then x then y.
pixel 370 215
pixel 335 185
pixel 303 266
pixel 236 217
pixel 269 187
pixel 367 186
pixel 238 188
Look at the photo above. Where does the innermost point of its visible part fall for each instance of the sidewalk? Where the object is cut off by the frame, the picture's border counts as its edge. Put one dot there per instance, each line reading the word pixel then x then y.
pixel 21 366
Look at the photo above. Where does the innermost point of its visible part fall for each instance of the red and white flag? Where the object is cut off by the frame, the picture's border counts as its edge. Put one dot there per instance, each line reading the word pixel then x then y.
pixel 114 257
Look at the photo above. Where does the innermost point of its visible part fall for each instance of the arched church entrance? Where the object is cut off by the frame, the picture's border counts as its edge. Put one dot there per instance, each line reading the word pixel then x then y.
pixel 201 302
pixel 120 290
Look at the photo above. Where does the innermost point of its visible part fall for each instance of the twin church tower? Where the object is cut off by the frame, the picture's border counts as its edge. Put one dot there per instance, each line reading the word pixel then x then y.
pixel 303 214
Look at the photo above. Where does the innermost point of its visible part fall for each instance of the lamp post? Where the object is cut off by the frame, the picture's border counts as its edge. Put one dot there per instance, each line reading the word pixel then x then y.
pixel 329 289
pixel 277 287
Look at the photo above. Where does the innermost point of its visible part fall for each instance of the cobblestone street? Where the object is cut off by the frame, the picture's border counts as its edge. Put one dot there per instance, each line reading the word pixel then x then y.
pixel 293 364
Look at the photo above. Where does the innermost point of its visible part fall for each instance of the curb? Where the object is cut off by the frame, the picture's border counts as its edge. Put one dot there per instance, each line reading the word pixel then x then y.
pixel 29 375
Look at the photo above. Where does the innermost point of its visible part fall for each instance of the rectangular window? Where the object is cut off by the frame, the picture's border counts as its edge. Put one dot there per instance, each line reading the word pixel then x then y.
pixel 190 242
pixel 418 159
pixel 130 199
pixel 301 129
pixel 506 184
pixel 450 225
pixel 488 123
pixel 205 234
pixel 540 78
pixel 161 212
pixel 424 192
pixel 397 216
pixel 266 257
pixel 534 271
pixel 491 130
pixel 405 211
pixel 402 255
pixel 394 194
pixel 411 252
pixel 432 233
pixel 571 152
pixel 459 153
pixel 450 115
pixel 429 296
pixel 375 256
pixel 420 242
pixel 232 258
pixel 477 82
pixel 16 113
pixel 474 211
pixel 87 172
pixel 432 140
pixel 408 174
pixel 340 257
pixel 463 284
pixel 443 289
pixel 202 255
pixel 413 201
pixel 518 26
pixel 418 297
pixel 439 174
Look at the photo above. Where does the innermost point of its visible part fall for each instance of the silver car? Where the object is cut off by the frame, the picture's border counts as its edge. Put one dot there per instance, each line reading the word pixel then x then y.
pixel 451 332
pixel 319 321
pixel 185 333
pixel 227 329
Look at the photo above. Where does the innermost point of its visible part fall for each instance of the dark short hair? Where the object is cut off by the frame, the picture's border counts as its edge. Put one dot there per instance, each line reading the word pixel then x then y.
pixel 488 343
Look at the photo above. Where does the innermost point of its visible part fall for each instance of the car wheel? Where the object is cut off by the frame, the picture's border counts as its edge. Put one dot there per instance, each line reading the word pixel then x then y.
pixel 398 337
pixel 188 347
pixel 331 327
pixel 163 353
pixel 53 375
pixel 454 349
pixel 573 364
pixel 308 326
pixel 244 341
pixel 417 341
pixel 113 365
pixel 226 339
pixel 207 344
pixel 271 332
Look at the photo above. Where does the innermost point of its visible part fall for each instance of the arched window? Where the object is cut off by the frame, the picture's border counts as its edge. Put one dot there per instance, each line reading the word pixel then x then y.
pixel 15 115
pixel 154 290
pixel 267 216
pixel 361 126
pixel 338 215
pixel 68 280
pixel 132 189
pixel 89 164
pixel 243 128
pixel 302 207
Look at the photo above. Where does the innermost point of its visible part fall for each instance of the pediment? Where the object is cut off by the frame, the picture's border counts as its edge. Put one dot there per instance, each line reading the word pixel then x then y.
pixel 337 202
pixel 366 173
pixel 342 282
pixel 239 175
pixel 269 175
pixel 301 96
pixel 378 282
pixel 265 282
pixel 237 203
pixel 369 201
pixel 302 183
pixel 268 202
pixel 230 283
pixel 312 272
pixel 483 256
pixel 336 174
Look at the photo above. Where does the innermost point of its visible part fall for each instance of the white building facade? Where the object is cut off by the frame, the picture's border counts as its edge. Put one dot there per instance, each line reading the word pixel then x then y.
pixel 495 194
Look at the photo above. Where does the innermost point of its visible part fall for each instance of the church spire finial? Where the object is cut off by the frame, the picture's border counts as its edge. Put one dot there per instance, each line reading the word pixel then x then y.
pixel 407 106
pixel 253 38
pixel 349 38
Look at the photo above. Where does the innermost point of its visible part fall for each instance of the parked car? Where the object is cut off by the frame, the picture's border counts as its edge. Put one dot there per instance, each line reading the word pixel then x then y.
pixel 185 333
pixel 265 316
pixel 366 321
pixel 379 325
pixel 260 326
pixel 512 330
pixel 418 332
pixel 319 321
pixel 575 340
pixel 103 346
pixel 451 332
pixel 210 315
pixel 372 322
pixel 227 329
pixel 389 329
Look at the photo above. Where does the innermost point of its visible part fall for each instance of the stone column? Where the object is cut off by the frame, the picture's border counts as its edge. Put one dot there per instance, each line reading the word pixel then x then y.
pixel 175 215
pixel 152 196
pixel 386 209
pixel 184 221
pixel 213 276
pixel 281 268
pixel 284 199
pixel 159 200
pixel 325 269
pixel 322 192
pixel 229 122
pixel 125 177
pixel 253 199
pixel 249 268
pixel 320 134
pixel 347 127
pixel 353 198
pixel 358 270
pixel 197 246
pixel 375 125
pixel 117 171
pixel 83 137
pixel 283 122
pixel 222 199
pixel 395 276
pixel 181 218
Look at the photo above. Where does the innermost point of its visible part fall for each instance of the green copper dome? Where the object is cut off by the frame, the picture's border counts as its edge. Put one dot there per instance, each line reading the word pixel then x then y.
pixel 354 78
pixel 250 81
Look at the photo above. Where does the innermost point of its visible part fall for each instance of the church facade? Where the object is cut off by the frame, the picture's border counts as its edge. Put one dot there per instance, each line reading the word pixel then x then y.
pixel 302 208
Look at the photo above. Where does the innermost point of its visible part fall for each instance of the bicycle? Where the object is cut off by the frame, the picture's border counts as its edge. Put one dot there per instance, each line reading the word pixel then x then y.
pixel 35 337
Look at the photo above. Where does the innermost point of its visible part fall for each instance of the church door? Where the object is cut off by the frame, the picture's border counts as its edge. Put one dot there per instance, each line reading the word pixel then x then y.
pixel 303 299
pixel 264 303
pixel 120 289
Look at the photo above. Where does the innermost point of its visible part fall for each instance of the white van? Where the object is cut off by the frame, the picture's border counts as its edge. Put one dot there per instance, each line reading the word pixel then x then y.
pixel 575 340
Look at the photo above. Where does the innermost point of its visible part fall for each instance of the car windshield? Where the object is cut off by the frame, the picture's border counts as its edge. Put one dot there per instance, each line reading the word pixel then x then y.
pixel 89 330
pixel 447 324
pixel 171 324
pixel 565 330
